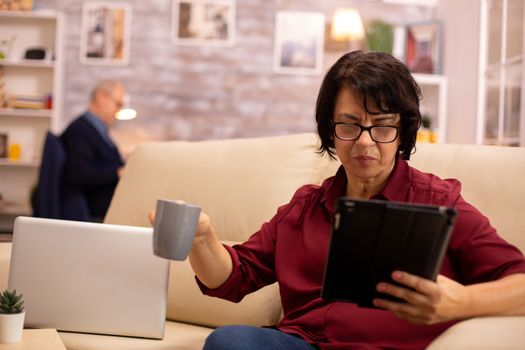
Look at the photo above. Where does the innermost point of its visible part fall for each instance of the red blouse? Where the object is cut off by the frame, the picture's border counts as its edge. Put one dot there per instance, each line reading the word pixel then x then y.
pixel 291 249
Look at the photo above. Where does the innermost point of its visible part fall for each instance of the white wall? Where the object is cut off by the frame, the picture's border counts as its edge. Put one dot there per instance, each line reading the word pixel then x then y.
pixel 461 20
pixel 195 93
pixel 255 101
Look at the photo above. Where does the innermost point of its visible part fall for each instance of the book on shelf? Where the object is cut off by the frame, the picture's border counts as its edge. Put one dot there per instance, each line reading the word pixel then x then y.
pixel 29 101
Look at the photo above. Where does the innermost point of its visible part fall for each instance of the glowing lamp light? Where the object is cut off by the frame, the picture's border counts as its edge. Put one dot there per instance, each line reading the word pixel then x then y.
pixel 126 112
pixel 347 25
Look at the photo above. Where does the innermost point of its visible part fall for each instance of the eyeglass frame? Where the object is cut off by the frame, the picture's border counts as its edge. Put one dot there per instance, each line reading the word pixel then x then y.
pixel 367 128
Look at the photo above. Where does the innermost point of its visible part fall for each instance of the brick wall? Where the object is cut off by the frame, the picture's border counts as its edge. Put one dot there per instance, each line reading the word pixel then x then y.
pixel 197 93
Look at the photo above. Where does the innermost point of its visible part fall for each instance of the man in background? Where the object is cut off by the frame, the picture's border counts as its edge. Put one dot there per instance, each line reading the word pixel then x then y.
pixel 93 163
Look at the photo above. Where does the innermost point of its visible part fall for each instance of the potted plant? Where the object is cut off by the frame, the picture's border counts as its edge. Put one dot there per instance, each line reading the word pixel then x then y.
pixel 11 317
pixel 379 36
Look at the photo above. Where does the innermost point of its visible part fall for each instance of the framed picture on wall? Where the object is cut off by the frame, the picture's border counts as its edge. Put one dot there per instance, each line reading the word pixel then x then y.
pixel 104 37
pixel 299 42
pixel 423 47
pixel 203 22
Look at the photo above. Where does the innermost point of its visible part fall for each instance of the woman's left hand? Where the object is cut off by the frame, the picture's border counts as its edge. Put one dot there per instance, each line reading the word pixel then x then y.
pixel 427 302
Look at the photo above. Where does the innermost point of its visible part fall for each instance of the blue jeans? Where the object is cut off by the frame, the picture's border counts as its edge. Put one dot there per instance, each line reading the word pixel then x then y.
pixel 253 338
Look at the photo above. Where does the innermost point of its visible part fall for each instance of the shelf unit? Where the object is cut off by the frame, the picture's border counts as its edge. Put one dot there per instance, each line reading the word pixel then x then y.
pixel 434 89
pixel 27 63
pixel 19 163
pixel 29 113
pixel 27 127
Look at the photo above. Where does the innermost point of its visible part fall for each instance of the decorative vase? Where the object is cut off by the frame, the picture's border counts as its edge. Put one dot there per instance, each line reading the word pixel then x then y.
pixel 11 327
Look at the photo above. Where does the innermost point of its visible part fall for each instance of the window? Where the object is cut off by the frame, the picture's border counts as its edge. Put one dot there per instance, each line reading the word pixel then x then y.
pixel 501 94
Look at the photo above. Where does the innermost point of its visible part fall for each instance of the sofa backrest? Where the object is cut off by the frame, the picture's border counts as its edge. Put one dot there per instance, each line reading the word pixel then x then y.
pixel 492 180
pixel 239 183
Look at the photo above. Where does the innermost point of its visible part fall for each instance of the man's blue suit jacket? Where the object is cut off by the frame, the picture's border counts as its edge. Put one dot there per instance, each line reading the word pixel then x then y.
pixel 91 165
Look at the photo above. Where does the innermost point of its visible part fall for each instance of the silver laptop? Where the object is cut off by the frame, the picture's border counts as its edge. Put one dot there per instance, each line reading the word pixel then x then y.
pixel 88 277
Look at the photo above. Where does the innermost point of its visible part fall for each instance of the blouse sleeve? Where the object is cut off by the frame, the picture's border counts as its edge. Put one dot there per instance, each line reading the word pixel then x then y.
pixel 253 260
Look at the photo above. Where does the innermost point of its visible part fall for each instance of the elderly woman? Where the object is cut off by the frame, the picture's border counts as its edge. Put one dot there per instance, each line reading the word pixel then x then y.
pixel 368 115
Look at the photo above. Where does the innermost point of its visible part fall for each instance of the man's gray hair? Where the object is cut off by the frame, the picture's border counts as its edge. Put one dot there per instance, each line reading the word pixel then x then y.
pixel 106 86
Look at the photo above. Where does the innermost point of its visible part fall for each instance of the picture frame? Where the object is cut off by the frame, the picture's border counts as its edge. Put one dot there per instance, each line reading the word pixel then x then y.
pixel 4 145
pixel 104 38
pixel 203 22
pixel 299 42
pixel 423 47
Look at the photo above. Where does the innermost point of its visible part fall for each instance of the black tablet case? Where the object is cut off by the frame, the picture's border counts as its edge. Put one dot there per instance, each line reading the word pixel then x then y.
pixel 372 238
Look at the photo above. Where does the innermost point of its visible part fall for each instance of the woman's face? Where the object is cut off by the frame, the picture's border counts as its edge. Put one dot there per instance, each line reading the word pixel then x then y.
pixel 364 159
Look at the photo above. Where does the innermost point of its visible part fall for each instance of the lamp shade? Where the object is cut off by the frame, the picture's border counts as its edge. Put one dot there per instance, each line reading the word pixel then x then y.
pixel 347 25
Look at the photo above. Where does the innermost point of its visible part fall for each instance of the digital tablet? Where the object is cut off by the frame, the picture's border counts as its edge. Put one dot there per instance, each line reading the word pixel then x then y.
pixel 372 238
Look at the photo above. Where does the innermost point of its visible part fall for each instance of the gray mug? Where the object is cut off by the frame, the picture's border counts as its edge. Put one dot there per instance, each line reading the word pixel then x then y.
pixel 174 230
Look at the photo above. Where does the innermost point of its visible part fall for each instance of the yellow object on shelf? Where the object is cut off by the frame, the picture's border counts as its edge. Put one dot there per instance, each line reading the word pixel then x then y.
pixel 15 151
pixel 16 5
pixel 425 135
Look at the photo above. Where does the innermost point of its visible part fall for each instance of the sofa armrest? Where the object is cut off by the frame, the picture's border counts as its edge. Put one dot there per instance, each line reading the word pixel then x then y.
pixel 483 333
pixel 5 258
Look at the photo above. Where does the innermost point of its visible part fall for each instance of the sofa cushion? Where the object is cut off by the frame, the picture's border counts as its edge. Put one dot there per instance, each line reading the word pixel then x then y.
pixel 492 179
pixel 483 333
pixel 187 303
pixel 239 182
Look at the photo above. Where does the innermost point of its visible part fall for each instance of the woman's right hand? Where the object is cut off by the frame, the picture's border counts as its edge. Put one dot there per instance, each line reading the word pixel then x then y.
pixel 203 227
pixel 210 261
pixel 151 217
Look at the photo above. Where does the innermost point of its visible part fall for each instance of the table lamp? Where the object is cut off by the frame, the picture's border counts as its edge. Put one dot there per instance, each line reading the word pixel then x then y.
pixel 348 26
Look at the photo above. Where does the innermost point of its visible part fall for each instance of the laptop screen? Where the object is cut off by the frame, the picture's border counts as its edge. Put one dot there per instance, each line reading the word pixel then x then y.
pixel 89 277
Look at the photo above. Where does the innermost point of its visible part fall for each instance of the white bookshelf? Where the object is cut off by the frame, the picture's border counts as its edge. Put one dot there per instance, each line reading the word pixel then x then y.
pixel 20 163
pixel 27 127
pixel 26 113
pixel 23 63
pixel 434 89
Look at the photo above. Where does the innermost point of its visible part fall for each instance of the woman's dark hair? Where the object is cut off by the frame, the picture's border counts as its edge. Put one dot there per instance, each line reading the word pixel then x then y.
pixel 377 76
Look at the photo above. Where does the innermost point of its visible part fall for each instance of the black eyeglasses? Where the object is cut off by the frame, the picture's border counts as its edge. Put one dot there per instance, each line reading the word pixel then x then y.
pixel 378 133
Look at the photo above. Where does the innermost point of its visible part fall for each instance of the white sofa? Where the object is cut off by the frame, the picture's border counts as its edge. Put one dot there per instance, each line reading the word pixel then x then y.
pixel 241 182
